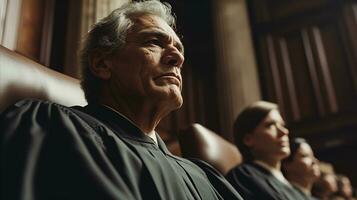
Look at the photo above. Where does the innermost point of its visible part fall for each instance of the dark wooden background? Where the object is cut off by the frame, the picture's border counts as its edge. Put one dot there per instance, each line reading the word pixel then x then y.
pixel 307 55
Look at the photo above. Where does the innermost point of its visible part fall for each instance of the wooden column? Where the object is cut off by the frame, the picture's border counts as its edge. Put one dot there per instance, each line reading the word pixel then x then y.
pixel 30 29
pixel 83 14
pixel 10 12
pixel 237 72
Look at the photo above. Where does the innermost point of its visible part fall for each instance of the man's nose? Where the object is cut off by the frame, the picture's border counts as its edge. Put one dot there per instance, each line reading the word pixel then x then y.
pixel 173 58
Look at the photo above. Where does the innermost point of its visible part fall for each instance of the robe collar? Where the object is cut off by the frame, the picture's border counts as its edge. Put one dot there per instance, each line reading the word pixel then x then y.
pixel 122 126
pixel 302 189
pixel 276 173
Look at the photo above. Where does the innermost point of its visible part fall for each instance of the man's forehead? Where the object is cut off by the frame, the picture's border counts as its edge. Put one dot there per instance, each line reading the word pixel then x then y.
pixel 152 23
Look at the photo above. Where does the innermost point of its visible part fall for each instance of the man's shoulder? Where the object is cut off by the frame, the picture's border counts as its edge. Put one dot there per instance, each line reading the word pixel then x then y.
pixel 35 111
pixel 33 118
pixel 35 105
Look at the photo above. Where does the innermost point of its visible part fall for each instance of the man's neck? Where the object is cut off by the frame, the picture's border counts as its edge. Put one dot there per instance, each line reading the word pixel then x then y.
pixel 151 134
pixel 144 115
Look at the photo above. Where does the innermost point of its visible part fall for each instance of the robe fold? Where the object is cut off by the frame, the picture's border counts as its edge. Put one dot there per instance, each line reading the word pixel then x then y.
pixel 49 151
pixel 254 182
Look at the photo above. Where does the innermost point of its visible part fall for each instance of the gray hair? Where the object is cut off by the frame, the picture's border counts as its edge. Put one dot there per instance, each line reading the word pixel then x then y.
pixel 109 35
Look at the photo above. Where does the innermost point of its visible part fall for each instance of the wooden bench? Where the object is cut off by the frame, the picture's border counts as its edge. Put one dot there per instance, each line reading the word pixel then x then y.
pixel 199 142
pixel 21 78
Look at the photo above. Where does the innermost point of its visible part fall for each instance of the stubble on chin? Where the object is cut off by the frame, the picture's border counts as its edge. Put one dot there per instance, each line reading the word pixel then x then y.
pixel 169 95
pixel 176 96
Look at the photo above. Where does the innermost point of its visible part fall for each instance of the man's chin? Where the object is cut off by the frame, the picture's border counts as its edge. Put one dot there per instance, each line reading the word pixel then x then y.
pixel 179 103
pixel 176 100
pixel 171 95
pixel 170 91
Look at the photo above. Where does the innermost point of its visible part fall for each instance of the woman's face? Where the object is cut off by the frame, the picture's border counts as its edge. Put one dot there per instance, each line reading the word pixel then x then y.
pixel 269 140
pixel 345 187
pixel 304 163
pixel 330 183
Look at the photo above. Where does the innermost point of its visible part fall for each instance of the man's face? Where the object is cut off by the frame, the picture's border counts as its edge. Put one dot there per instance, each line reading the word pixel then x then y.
pixel 304 163
pixel 148 67
pixel 269 140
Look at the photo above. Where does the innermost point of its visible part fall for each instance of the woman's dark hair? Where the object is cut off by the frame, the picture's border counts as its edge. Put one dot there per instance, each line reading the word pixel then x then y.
pixel 247 121
pixel 295 144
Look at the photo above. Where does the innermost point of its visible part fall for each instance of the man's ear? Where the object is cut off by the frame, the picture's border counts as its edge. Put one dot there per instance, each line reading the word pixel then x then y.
pixel 100 65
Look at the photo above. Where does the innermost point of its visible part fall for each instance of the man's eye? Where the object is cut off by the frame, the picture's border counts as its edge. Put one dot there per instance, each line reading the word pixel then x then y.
pixel 155 42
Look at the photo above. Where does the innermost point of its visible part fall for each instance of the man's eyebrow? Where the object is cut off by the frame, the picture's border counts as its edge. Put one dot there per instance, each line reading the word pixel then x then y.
pixel 162 35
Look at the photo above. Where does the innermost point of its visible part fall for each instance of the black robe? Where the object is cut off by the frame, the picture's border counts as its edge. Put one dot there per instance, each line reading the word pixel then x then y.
pixel 308 197
pixel 254 182
pixel 49 151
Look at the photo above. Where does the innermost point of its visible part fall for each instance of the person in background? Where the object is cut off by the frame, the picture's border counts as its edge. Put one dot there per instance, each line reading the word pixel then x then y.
pixel 344 188
pixel 301 167
pixel 325 186
pixel 109 149
pixel 262 137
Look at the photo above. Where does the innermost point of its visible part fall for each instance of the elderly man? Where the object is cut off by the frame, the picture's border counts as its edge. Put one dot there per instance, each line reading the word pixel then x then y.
pixel 131 64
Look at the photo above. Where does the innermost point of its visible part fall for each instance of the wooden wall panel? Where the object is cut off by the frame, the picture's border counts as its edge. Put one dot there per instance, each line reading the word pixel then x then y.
pixel 305 98
pixel 270 86
pixel 30 29
pixel 285 8
pixel 324 71
pixel 338 79
pixel 307 56
pixel 289 78
pixel 349 23
pixel 312 71
pixel 310 67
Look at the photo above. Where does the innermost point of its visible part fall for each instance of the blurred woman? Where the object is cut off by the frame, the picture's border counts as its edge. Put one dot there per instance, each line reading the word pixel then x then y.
pixel 325 186
pixel 301 167
pixel 261 136
pixel 344 189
